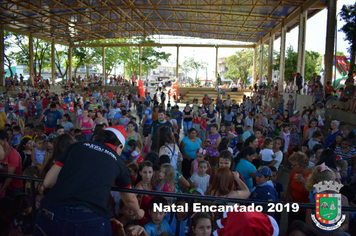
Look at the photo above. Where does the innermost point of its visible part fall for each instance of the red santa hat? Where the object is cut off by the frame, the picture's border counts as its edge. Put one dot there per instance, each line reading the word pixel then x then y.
pixel 119 131
pixel 249 223
pixel 233 132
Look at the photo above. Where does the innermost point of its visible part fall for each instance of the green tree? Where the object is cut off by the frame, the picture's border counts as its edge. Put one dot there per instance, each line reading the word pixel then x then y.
pixel 239 65
pixel 348 15
pixel 41 52
pixel 313 64
pixel 195 65
pixel 84 57
pixel 149 57
pixel 185 68
pixel 8 55
pixel 61 62
pixel 340 54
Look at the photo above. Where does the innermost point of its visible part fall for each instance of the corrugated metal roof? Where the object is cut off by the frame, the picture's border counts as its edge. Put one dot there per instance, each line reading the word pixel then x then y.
pixel 75 21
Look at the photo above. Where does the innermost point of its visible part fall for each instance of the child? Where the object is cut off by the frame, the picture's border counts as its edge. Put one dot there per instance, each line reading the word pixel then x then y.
pixel 196 121
pixel 222 131
pixel 39 153
pixel 79 113
pixel 294 136
pixel 266 153
pixel 238 126
pixel 285 133
pixel 40 195
pixel 271 128
pixel 158 225
pixel 133 168
pixel 135 152
pixel 203 126
pixel 11 116
pixel 342 165
pixel 17 136
pixel 264 189
pixel 202 224
pixel 200 156
pixel 67 123
pixel 23 214
pixel 140 111
pixel 233 141
pixel 316 138
pixel 180 222
pixel 259 137
pixel 200 180
pixel 123 119
pixel 278 125
pixel 247 133
pixel 166 181
pixel 279 189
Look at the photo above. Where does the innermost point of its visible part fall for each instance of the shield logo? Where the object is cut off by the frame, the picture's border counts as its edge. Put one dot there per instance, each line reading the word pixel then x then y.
pixel 328 208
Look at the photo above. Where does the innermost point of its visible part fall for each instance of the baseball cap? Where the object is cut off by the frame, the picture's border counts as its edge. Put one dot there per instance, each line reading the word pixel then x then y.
pixel 279 117
pixel 263 170
pixel 119 131
pixel 295 112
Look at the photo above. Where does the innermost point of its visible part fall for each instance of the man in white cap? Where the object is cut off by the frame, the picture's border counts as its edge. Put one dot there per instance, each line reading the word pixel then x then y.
pixel 80 183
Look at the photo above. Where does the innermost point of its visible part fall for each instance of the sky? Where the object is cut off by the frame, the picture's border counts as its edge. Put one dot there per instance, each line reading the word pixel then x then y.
pixel 315 41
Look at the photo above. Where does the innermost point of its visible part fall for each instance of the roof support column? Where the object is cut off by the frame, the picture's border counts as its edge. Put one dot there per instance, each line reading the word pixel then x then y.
pixel 330 34
pixel 53 69
pixel 30 48
pixel 254 66
pixel 2 48
pixel 282 58
pixel 70 62
pixel 216 61
pixel 260 74
pixel 270 59
pixel 177 63
pixel 104 75
pixel 301 43
pixel 140 65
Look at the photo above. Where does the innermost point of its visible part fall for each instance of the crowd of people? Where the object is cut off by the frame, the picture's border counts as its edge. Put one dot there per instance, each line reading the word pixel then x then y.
pixel 83 143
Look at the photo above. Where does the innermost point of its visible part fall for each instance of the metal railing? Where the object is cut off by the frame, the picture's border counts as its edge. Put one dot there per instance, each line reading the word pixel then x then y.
pixel 219 200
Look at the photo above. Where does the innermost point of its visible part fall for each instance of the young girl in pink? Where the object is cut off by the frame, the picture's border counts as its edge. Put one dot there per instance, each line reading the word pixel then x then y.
pixel 200 155
pixel 166 181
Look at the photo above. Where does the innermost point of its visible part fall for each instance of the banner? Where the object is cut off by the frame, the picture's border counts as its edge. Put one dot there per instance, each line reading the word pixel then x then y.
pixel 140 88
pixel 175 88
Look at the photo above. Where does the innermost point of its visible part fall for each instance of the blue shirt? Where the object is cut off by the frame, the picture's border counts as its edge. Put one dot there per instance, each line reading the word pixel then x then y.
pixel 178 116
pixel 148 112
pixel 152 229
pixel 190 148
pixel 52 118
pixel 245 168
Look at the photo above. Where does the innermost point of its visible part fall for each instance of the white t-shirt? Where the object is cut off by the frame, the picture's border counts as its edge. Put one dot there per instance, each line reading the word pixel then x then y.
pixel 278 158
pixel 267 154
pixel 202 182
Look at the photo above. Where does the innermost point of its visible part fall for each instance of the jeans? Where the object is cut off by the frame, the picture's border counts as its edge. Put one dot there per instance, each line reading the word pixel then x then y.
pixel 187 125
pixel 66 220
pixel 88 137
pixel 39 113
pixel 22 113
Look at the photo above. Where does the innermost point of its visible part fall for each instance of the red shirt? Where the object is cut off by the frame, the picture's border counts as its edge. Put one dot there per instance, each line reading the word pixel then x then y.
pixel 44 103
pixel 12 159
pixel 299 193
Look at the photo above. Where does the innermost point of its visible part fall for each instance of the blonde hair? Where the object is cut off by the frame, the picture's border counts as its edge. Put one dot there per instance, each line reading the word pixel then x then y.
pixel 169 173
pixel 21 123
pixel 342 164
pixel 318 176
pixel 300 158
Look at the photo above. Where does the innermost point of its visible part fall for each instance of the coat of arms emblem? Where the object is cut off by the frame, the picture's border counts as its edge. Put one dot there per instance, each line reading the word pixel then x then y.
pixel 328 215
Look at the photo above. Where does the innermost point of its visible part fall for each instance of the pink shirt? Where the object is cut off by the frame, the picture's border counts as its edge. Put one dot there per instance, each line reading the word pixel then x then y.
pixel 299 118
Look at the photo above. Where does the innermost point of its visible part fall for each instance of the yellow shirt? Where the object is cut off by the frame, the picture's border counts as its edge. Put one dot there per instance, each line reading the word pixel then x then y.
pixel 3 120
